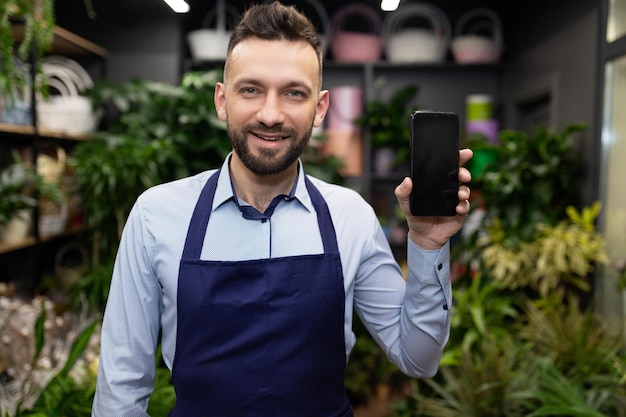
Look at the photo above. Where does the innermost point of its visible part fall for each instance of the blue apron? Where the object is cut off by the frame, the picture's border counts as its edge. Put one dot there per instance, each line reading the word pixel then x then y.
pixel 260 338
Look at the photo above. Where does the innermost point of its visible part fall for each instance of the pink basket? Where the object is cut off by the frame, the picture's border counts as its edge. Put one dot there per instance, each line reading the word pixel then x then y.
pixel 470 45
pixel 349 46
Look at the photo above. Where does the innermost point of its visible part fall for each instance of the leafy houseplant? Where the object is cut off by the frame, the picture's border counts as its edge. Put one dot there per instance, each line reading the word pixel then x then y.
pixel 524 341
pixel 561 254
pixel 19 187
pixel 535 177
pixel 38 21
pixel 387 122
pixel 154 132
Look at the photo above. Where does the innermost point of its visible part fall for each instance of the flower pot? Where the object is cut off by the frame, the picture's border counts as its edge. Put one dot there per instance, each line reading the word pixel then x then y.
pixel 17 229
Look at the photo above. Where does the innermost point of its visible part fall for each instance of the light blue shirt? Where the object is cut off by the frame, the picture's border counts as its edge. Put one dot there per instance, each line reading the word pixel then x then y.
pixel 410 320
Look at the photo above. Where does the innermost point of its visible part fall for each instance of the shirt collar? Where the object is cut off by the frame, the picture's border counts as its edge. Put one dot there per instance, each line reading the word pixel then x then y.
pixel 224 189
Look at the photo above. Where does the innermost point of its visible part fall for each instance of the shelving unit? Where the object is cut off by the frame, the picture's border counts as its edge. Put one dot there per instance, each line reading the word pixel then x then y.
pixel 442 86
pixel 36 250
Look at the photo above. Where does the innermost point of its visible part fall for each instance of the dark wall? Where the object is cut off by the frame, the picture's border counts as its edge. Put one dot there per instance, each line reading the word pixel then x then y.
pixel 141 44
pixel 553 58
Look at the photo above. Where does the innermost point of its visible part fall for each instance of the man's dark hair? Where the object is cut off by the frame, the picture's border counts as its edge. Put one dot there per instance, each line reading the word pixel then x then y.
pixel 275 22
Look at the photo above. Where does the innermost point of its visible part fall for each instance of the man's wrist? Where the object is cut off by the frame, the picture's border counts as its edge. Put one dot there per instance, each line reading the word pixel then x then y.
pixel 423 242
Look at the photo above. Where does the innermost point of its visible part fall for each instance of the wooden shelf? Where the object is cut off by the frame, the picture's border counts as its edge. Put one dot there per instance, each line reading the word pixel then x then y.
pixel 30 241
pixel 14 246
pixel 28 131
pixel 66 43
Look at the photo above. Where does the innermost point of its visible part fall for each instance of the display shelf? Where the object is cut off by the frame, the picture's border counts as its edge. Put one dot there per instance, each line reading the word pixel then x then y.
pixel 31 241
pixel 15 246
pixel 28 131
pixel 66 43
pixel 36 248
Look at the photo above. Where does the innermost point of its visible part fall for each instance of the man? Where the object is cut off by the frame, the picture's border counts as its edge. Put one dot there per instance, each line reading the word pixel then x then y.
pixel 252 271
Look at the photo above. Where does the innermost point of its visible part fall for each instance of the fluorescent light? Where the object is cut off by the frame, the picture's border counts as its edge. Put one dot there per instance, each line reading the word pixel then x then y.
pixel 179 6
pixel 389 5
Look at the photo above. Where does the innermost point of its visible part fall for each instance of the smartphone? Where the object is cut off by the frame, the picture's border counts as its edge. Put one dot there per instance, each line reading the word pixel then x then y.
pixel 434 163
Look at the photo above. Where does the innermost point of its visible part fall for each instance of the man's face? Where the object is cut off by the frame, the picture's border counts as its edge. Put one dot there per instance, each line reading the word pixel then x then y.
pixel 271 100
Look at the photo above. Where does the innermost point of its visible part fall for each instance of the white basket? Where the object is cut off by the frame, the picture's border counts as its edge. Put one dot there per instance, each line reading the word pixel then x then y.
pixel 211 44
pixel 470 45
pixel 423 44
pixel 67 111
pixel 54 223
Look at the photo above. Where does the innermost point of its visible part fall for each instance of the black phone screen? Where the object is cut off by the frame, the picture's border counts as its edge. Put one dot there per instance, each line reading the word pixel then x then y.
pixel 434 163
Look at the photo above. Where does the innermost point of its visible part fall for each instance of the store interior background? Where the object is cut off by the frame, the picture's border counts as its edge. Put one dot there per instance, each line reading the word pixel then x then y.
pixel 550 48
pixel 553 72
pixel 551 67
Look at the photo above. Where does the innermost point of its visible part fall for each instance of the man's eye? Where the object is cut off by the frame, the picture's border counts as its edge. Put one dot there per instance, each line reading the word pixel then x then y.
pixel 295 93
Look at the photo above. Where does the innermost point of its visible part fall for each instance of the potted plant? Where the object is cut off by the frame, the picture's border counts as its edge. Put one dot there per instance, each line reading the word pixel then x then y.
pixel 20 185
pixel 38 20
pixel 388 127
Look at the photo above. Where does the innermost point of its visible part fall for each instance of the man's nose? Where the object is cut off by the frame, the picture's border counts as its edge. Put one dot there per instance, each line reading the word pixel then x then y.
pixel 271 111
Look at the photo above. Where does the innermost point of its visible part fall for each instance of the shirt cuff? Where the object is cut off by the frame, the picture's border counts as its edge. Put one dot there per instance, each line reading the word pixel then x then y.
pixel 431 269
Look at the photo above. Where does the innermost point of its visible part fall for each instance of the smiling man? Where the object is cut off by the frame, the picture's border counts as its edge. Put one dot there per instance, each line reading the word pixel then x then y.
pixel 252 271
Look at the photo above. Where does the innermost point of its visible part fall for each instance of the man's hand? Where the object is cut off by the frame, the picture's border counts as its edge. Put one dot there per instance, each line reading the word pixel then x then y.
pixel 433 232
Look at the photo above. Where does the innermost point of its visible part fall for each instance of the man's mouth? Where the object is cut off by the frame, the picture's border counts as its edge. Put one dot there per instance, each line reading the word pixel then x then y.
pixel 271 138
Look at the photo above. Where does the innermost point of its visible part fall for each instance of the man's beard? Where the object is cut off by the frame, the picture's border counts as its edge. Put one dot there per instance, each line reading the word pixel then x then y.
pixel 268 162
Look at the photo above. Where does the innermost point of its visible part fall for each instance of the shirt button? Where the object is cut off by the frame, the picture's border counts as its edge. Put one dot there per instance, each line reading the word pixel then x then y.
pixel 439 267
pixel 445 307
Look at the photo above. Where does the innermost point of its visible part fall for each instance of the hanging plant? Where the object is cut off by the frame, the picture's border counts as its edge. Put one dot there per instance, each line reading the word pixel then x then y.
pixel 38 20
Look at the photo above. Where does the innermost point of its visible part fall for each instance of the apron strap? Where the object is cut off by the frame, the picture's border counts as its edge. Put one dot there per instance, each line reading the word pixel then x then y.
pixel 325 222
pixel 204 206
pixel 200 219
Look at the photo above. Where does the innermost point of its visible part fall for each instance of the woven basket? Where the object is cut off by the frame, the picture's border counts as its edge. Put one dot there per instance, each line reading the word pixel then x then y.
pixel 51 165
pixel 421 44
pixel 470 44
pixel 66 110
pixel 206 44
pixel 350 46
pixel 70 263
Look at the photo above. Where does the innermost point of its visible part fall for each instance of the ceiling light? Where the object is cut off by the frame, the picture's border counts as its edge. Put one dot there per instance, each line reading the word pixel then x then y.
pixel 179 6
pixel 389 5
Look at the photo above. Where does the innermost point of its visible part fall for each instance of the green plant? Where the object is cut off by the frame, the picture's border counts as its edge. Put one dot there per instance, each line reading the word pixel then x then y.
pixel 481 309
pixel 110 172
pixel 154 132
pixel 535 177
pixel 560 254
pixel 20 185
pixel 63 395
pixel 38 21
pixel 557 359
pixel 482 383
pixel 581 360
pixel 182 116
pixel 387 121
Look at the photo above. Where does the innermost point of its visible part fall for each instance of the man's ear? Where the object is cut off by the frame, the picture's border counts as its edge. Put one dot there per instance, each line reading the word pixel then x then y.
pixel 322 108
pixel 220 101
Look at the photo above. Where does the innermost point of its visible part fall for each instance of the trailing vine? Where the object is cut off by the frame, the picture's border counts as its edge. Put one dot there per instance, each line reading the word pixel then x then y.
pixel 38 20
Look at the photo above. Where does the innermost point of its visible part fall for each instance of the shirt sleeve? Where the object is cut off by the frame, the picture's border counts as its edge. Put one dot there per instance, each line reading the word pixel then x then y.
pixel 409 319
pixel 130 328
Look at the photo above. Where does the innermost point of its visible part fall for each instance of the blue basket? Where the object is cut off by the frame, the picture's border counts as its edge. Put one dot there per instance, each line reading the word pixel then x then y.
pixel 17 113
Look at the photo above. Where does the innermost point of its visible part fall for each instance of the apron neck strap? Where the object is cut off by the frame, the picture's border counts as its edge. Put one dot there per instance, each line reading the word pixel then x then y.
pixel 204 206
